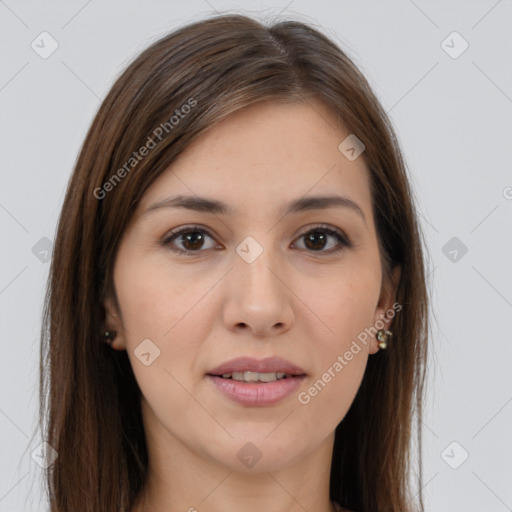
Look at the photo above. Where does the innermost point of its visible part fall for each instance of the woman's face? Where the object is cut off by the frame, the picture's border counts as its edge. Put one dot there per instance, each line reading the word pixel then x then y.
pixel 251 281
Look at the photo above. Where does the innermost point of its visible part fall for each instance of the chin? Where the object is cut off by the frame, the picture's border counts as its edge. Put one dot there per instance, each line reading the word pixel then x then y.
pixel 258 454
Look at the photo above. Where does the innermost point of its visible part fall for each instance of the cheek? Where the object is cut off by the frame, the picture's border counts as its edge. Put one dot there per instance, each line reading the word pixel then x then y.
pixel 166 308
pixel 156 300
pixel 331 391
pixel 340 356
pixel 343 306
pixel 174 311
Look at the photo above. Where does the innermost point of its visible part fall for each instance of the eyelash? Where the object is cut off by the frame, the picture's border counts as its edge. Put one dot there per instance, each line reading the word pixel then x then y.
pixel 341 237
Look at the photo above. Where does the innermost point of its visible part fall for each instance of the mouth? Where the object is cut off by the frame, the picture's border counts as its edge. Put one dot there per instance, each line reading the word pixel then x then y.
pixel 266 367
pixel 255 376
pixel 252 382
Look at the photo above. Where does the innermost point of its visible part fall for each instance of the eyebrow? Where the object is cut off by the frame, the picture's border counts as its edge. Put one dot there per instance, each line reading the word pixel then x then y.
pixel 203 204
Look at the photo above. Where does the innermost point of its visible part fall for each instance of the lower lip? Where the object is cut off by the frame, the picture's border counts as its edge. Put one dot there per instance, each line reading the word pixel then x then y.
pixel 257 393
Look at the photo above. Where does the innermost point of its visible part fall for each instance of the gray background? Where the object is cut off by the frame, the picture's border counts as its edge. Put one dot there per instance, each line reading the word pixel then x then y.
pixel 452 116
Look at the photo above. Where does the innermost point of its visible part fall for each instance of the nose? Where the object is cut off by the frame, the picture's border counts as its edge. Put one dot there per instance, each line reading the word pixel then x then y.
pixel 258 299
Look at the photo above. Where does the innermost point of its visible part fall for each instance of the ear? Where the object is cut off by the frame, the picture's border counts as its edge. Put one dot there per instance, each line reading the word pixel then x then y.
pixel 387 299
pixel 113 322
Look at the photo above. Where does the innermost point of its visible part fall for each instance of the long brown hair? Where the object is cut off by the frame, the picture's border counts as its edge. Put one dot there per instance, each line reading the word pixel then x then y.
pixel 180 86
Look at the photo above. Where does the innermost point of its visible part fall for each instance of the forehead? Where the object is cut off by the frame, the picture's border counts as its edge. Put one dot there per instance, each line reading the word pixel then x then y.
pixel 264 155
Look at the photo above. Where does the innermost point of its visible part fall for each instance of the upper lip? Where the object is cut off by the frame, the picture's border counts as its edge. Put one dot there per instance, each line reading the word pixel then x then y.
pixel 251 364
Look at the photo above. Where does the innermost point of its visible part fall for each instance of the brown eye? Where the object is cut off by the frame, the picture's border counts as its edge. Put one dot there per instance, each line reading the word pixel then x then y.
pixel 193 240
pixel 317 239
pixel 190 238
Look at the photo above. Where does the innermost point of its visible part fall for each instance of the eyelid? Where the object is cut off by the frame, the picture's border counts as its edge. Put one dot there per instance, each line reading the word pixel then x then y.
pixel 344 240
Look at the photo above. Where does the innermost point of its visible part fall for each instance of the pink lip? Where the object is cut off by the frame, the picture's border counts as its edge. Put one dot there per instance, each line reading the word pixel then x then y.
pixel 257 393
pixel 254 393
pixel 250 364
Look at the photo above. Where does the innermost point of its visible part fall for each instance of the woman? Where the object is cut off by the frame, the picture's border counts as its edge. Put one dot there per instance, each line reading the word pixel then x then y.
pixel 236 315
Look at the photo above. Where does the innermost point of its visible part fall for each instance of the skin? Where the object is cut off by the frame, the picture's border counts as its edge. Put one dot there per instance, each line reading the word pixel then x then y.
pixel 304 304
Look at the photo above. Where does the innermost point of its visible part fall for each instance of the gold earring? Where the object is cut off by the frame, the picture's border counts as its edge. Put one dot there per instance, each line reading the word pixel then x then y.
pixel 383 337
pixel 109 336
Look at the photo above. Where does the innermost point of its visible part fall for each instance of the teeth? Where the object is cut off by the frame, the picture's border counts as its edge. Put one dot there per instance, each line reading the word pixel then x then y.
pixel 254 376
